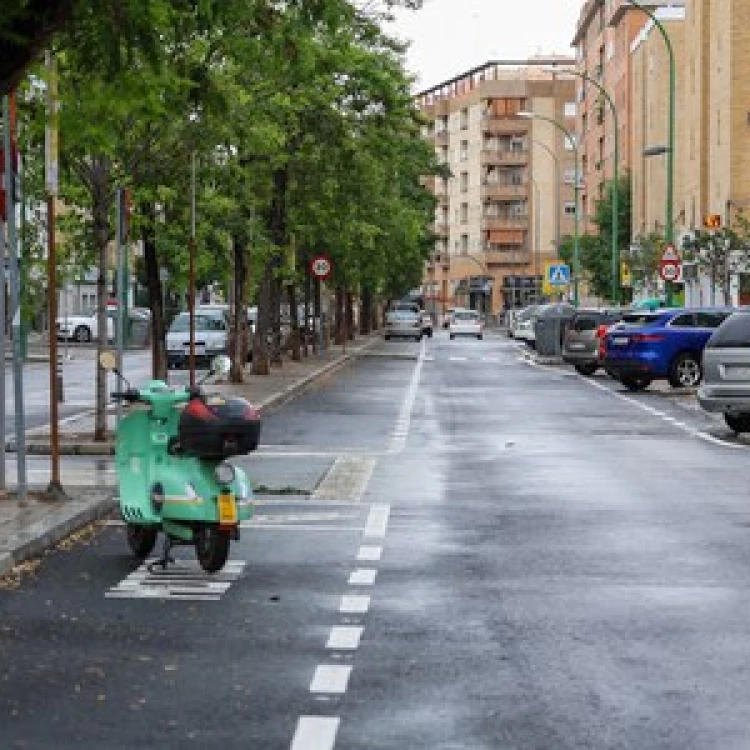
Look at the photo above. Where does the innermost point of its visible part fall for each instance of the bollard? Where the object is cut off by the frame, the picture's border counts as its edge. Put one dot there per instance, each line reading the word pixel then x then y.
pixel 59 375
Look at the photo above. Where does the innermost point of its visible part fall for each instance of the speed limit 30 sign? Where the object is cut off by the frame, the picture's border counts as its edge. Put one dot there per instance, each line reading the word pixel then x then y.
pixel 321 267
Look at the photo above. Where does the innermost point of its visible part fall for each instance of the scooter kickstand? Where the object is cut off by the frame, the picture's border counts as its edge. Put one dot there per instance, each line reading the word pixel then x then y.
pixel 165 558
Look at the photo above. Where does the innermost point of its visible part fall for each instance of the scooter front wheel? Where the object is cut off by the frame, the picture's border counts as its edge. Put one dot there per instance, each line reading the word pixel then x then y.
pixel 141 539
pixel 211 547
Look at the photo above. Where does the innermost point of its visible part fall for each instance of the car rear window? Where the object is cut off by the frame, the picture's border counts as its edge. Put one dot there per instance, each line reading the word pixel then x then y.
pixel 733 333
pixel 465 315
pixel 587 322
pixel 639 319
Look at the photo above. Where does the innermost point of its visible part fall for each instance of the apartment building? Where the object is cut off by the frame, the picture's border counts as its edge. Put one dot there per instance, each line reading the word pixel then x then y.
pixel 602 55
pixel 510 192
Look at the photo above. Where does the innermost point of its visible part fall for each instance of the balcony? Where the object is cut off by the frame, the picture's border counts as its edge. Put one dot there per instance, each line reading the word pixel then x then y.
pixel 491 124
pixel 506 256
pixel 504 157
pixel 490 223
pixel 501 191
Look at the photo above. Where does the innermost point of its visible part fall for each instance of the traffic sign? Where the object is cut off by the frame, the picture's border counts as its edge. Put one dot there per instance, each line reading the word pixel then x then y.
pixel 670 255
pixel 321 267
pixel 558 274
pixel 669 271
pixel 712 221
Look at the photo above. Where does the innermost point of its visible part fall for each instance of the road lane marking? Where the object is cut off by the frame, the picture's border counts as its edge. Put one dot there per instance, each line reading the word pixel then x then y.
pixel 344 637
pixel 354 604
pixel 184 580
pixel 368 553
pixel 363 577
pixel 331 679
pixel 403 423
pixel 377 521
pixel 346 480
pixel 315 733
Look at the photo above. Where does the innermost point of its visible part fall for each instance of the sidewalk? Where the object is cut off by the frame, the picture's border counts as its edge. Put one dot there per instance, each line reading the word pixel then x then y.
pixel 25 532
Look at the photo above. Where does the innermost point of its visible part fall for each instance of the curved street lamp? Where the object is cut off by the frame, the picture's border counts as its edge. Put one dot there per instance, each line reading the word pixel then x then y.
pixel 614 236
pixel 668 229
pixel 576 238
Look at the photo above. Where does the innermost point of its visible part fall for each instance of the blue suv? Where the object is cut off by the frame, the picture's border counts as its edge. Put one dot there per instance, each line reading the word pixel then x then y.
pixel 664 344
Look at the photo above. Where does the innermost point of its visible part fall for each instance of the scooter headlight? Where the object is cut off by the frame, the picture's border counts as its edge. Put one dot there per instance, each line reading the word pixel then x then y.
pixel 225 473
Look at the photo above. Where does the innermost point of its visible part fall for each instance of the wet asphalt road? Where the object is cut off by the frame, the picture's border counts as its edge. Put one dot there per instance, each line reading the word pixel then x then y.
pixel 459 551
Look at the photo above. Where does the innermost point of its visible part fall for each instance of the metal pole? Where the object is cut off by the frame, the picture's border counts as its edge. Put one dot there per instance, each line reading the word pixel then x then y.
pixel 15 304
pixel 558 197
pixel 669 228
pixel 120 295
pixel 191 291
pixel 3 255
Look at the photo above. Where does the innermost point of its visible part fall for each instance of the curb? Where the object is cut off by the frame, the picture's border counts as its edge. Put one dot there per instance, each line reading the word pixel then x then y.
pixel 49 531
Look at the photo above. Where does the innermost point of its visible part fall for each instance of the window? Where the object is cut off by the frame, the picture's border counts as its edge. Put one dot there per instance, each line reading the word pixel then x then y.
pixel 464 150
pixel 464 213
pixel 570 208
pixel 733 334
pixel 464 182
pixel 709 319
pixel 686 320
pixel 570 109
pixel 464 244
pixel 585 322
pixel 464 119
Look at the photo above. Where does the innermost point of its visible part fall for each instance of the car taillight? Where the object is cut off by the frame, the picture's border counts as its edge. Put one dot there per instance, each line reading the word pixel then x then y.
pixel 646 338
pixel 601 331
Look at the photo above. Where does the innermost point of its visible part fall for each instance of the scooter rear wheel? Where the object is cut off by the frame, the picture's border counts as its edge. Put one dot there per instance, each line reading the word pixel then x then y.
pixel 211 548
pixel 141 539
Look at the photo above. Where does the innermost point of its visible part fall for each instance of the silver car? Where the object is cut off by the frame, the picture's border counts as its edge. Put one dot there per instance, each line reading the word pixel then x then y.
pixel 403 324
pixel 726 372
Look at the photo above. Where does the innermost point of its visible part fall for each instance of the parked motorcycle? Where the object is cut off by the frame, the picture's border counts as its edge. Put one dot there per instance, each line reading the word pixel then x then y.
pixel 172 470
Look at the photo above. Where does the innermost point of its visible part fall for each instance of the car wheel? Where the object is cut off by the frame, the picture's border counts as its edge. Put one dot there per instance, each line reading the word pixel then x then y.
pixel 685 371
pixel 479 337
pixel 586 370
pixel 453 336
pixel 635 383
pixel 737 423
pixel 82 334
pixel 418 338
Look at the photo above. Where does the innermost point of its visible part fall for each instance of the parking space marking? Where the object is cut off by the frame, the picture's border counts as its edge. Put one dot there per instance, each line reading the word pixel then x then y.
pixel 354 604
pixel 369 553
pixel 346 480
pixel 331 679
pixel 315 733
pixel 363 577
pixel 344 637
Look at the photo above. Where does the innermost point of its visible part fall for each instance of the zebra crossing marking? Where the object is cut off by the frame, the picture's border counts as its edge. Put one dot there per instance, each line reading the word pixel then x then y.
pixel 184 581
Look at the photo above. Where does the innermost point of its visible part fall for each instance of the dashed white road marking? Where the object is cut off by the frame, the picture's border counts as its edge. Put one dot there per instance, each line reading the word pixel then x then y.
pixel 344 637
pixel 315 733
pixel 354 604
pixel 330 678
pixel 403 423
pixel 363 577
pixel 368 553
pixel 377 521
pixel 665 417
pixel 457 359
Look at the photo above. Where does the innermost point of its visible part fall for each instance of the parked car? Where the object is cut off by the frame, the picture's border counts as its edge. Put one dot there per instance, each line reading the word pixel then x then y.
pixel 211 337
pixel 665 344
pixel 726 372
pixel 403 324
pixel 466 323
pixel 84 327
pixel 523 328
pixel 582 342
pixel 426 324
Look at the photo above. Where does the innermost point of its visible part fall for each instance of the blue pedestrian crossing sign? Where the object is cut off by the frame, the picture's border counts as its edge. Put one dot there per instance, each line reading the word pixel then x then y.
pixel 558 274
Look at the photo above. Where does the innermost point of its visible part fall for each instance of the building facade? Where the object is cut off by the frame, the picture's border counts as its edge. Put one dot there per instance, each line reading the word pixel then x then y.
pixel 508 197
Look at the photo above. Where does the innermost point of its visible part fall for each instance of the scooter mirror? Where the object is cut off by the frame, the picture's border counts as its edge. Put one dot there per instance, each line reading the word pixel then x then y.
pixel 221 365
pixel 108 361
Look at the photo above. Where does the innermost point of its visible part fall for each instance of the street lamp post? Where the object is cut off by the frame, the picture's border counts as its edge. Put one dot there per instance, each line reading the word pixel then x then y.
pixel 576 238
pixel 614 236
pixel 669 228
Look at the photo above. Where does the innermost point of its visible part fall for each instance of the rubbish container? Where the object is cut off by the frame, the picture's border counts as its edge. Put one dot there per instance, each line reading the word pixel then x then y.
pixel 140 330
pixel 549 328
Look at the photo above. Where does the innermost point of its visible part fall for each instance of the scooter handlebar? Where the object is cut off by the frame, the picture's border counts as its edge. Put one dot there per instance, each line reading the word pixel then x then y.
pixel 129 395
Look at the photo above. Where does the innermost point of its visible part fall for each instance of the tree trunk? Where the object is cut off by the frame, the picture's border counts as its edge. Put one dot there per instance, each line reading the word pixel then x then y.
pixel 365 314
pixel 153 285
pixel 277 230
pixel 294 343
pixel 308 315
pixel 261 364
pixel 339 335
pixel 100 210
pixel 239 313
pixel 350 329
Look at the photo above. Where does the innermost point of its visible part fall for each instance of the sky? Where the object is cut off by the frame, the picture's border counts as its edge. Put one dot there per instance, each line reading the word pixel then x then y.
pixel 450 37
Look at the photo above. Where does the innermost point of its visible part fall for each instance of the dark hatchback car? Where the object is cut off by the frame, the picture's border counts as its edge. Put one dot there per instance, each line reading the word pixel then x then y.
pixel 665 344
pixel 581 345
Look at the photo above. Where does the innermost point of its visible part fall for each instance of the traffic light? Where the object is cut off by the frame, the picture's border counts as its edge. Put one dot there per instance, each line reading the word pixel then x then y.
pixel 712 221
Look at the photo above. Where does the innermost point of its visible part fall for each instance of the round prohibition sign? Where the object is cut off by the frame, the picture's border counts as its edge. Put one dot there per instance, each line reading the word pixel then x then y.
pixel 670 271
pixel 321 267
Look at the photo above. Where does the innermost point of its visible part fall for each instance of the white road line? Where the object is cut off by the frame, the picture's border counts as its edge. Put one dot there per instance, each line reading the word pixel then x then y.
pixel 403 423
pixel 344 637
pixel 315 733
pixel 330 678
pixel 377 521
pixel 363 577
pixel 297 527
pixel 457 359
pixel 354 605
pixel 369 553
pixel 347 479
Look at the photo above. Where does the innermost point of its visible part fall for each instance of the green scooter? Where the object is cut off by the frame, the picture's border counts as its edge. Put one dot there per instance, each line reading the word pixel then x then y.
pixel 172 471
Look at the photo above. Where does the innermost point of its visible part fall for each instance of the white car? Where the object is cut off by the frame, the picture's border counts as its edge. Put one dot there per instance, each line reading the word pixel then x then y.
pixel 85 326
pixel 466 323
pixel 211 337
pixel 523 325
